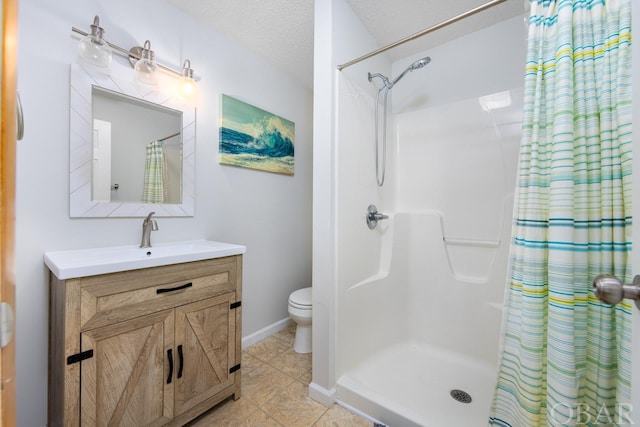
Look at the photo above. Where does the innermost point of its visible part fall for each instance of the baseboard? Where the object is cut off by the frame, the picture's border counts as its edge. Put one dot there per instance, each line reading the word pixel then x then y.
pixel 322 395
pixel 265 333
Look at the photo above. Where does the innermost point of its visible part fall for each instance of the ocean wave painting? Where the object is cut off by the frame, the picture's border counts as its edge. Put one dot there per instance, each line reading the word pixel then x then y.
pixel 254 138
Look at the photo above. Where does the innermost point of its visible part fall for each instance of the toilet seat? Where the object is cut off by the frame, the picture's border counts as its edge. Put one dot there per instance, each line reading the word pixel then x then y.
pixel 301 299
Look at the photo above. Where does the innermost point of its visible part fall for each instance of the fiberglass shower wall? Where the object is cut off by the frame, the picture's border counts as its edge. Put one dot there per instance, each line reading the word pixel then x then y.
pixel 453 135
pixel 458 132
pixel 456 167
pixel 361 252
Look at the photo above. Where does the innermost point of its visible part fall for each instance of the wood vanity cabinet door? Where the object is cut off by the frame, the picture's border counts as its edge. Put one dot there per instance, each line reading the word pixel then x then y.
pixel 125 382
pixel 205 347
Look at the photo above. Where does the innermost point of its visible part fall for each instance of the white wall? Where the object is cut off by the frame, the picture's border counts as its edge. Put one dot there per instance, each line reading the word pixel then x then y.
pixel 484 62
pixel 363 316
pixel 445 135
pixel 269 213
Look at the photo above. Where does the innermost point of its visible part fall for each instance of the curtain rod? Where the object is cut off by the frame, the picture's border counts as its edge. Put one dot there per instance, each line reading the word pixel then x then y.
pixel 423 32
pixel 170 136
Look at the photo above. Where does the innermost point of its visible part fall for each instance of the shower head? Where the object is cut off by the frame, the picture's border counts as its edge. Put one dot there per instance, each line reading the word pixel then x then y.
pixel 415 66
pixel 420 63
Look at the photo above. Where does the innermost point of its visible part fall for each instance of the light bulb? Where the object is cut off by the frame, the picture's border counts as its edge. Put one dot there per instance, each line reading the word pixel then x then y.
pixel 188 86
pixel 188 89
pixel 145 69
pixel 93 49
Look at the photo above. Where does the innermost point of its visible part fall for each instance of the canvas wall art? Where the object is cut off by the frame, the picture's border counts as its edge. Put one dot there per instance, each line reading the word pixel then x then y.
pixel 254 138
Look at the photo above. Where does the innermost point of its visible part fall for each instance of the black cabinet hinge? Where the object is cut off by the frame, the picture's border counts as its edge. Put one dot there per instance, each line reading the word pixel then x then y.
pixel 235 304
pixel 234 368
pixel 79 357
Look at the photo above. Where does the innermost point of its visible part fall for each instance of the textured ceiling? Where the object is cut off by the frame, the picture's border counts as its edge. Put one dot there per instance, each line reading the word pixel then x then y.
pixel 281 31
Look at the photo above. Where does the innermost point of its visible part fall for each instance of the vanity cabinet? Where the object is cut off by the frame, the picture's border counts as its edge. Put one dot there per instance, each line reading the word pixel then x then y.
pixel 150 347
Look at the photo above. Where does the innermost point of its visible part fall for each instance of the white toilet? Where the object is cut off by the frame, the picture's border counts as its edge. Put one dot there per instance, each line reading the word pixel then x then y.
pixel 300 312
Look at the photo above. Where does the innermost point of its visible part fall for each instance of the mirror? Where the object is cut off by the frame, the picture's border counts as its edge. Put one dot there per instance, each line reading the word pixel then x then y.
pixel 126 156
pixel 131 147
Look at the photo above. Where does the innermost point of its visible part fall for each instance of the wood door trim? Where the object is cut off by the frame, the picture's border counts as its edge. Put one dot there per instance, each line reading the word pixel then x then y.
pixel 7 221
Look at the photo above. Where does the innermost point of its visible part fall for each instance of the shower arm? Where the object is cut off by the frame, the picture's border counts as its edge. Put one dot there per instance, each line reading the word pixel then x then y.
pixel 404 73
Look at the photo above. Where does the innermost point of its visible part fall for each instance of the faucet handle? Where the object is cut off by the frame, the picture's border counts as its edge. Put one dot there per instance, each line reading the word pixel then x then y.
pixel 373 216
pixel 148 218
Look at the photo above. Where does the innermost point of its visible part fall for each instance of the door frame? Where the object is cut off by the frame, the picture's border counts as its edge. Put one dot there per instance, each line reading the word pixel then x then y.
pixel 8 132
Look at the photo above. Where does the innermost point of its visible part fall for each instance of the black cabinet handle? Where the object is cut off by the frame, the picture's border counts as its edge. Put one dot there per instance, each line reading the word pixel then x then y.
pixel 181 361
pixel 177 288
pixel 170 357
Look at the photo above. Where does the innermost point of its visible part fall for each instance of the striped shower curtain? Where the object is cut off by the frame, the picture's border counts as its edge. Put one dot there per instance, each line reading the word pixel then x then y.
pixel 565 356
pixel 154 171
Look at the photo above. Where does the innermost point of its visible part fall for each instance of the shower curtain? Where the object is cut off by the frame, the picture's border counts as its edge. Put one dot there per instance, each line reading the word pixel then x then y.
pixel 154 171
pixel 565 356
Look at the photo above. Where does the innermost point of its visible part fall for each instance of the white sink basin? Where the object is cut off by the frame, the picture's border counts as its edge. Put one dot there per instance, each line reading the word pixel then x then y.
pixel 90 262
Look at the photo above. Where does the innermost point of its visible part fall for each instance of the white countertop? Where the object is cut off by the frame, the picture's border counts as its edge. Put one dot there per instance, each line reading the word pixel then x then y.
pixel 90 262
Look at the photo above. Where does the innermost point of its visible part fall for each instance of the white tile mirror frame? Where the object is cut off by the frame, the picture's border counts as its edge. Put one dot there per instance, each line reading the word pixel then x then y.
pixel 120 79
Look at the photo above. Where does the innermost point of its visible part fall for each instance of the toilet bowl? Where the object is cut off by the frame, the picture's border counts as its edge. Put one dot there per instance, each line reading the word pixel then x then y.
pixel 300 312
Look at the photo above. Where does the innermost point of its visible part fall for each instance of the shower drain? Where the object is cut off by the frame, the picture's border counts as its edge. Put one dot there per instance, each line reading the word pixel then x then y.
pixel 461 396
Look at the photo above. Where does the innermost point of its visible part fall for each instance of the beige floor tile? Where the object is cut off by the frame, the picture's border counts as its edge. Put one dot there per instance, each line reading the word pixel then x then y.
pixel 337 416
pixel 260 419
pixel 307 377
pixel 268 349
pixel 249 363
pixel 275 392
pixel 288 334
pixel 262 383
pixel 292 363
pixel 292 407
pixel 228 413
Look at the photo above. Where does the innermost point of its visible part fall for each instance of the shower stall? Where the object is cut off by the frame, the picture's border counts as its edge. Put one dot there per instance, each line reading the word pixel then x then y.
pixel 419 297
pixel 407 315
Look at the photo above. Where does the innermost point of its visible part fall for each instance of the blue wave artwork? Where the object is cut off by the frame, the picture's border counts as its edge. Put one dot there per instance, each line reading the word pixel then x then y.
pixel 254 138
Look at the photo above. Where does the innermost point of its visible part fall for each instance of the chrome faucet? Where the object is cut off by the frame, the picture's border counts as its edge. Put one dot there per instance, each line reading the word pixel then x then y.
pixel 148 225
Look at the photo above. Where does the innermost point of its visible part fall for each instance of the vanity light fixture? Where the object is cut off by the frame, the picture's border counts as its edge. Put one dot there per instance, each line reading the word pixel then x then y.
pixel 93 49
pixel 146 66
pixel 145 72
pixel 187 87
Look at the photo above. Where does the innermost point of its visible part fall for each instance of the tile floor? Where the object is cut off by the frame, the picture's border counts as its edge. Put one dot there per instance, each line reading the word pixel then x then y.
pixel 275 382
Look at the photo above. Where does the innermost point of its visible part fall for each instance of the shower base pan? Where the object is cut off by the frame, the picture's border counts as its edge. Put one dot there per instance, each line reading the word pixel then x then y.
pixel 415 384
